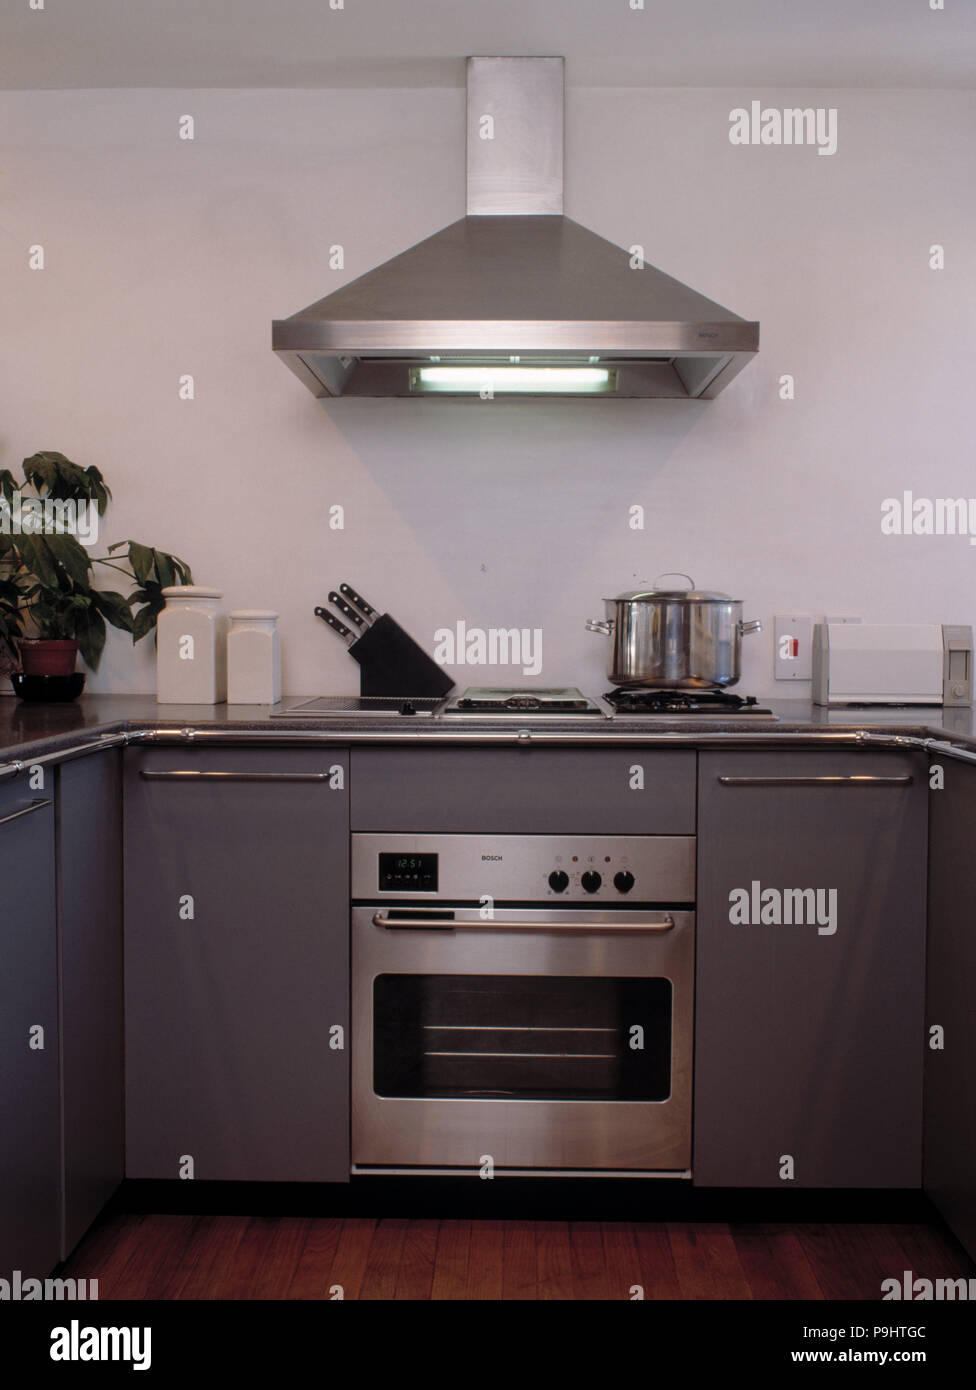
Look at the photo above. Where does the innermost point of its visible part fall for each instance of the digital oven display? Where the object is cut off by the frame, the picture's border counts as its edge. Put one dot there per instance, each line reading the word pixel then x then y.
pixel 408 873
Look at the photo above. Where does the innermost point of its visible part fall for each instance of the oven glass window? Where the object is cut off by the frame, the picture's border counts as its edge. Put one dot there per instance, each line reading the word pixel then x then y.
pixel 513 1037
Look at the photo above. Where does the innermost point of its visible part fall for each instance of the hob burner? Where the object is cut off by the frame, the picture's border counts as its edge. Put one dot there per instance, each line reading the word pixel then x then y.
pixel 720 703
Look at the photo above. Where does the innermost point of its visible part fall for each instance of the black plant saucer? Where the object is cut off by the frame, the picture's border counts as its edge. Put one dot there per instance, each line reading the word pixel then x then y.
pixel 48 689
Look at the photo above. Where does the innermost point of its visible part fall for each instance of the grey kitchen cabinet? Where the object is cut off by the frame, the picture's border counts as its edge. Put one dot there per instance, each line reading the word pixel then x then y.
pixel 949 1173
pixel 89 851
pixel 29 1122
pixel 524 791
pixel 809 1034
pixel 237 963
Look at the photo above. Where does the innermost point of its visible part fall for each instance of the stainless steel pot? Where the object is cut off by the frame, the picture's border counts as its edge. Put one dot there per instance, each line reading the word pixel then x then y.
pixel 684 639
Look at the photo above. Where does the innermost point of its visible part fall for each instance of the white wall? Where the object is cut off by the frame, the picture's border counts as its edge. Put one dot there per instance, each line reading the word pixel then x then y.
pixel 167 257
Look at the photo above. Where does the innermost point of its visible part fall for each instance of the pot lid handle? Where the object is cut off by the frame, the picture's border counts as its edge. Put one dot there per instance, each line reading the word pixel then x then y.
pixel 670 574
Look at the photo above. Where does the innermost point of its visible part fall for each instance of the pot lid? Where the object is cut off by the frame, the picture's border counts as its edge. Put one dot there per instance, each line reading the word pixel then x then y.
pixel 689 595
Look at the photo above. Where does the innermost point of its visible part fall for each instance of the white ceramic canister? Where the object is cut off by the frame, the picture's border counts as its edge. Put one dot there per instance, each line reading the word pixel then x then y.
pixel 253 658
pixel 191 647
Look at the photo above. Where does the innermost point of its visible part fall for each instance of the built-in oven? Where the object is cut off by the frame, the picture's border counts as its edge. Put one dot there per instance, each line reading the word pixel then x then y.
pixel 523 1002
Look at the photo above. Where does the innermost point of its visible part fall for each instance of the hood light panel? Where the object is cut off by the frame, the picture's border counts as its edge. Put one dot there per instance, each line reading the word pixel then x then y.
pixel 508 380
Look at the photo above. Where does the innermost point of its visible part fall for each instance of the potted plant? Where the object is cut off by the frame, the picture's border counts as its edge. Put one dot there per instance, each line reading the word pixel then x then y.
pixel 50 607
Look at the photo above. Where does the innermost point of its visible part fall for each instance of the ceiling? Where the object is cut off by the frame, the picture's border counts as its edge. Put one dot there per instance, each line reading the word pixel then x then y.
pixel 405 43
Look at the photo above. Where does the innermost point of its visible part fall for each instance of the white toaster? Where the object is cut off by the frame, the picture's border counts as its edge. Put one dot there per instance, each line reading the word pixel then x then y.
pixel 892 664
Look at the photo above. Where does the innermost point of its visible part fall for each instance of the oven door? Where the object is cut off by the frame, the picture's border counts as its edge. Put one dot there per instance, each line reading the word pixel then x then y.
pixel 555 1041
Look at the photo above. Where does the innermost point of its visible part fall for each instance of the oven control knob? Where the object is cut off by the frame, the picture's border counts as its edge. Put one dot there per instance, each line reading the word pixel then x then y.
pixel 624 881
pixel 590 881
pixel 558 881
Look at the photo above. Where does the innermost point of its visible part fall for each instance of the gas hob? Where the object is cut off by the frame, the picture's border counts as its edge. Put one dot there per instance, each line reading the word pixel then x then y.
pixel 698 704
pixel 543 702
pixel 527 704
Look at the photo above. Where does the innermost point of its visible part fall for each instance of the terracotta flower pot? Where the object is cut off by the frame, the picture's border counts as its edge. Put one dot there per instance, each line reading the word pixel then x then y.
pixel 48 656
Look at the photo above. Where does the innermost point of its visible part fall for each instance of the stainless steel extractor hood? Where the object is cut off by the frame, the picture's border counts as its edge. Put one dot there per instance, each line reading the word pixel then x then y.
pixel 515 298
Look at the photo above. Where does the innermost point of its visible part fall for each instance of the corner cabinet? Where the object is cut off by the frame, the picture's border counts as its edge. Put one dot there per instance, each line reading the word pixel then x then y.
pixel 237 963
pixel 89 841
pixel 29 1119
pixel 810 969
pixel 950 1054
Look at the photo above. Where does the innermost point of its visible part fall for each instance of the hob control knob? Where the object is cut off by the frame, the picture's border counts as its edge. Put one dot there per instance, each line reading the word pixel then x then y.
pixel 558 881
pixel 624 881
pixel 590 881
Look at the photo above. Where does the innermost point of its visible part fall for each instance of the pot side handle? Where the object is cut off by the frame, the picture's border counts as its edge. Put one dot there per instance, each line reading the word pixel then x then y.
pixel 750 626
pixel 604 626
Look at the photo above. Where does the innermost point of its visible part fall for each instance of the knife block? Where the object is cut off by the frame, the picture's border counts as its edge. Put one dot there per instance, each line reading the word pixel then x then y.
pixel 391 663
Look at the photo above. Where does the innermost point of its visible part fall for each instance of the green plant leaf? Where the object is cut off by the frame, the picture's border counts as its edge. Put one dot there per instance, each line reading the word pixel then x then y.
pixel 151 594
pixel 99 490
pixel 41 469
pixel 143 624
pixel 89 629
pixel 71 556
pixel 114 608
pixel 141 559
pixel 35 556
pixel 55 475
pixel 164 568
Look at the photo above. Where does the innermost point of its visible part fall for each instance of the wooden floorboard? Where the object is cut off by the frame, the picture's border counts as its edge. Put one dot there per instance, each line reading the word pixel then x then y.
pixel 352 1256
pixel 161 1245
pixel 622 1261
pixel 520 1271
pixel 656 1272
pixel 274 1277
pixel 217 1241
pixel 238 1276
pixel 383 1263
pixel 554 1260
pixel 237 1257
pixel 312 1276
pixel 450 1279
pixel 775 1263
pixel 588 1261
pixel 415 1277
pixel 486 1250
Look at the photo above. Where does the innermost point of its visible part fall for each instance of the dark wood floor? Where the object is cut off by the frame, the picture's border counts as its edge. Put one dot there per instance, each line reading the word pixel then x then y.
pixel 240 1257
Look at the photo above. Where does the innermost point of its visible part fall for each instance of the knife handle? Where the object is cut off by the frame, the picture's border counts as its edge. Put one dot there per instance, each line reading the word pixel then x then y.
pixel 333 622
pixel 345 610
pixel 355 598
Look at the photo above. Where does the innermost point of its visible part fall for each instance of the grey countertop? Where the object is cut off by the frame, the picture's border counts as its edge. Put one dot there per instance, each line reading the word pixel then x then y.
pixel 35 730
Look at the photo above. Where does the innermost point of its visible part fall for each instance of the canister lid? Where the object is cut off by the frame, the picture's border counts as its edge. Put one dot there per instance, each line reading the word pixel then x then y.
pixel 190 591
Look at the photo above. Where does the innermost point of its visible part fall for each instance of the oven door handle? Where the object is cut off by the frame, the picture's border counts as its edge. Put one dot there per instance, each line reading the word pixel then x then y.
pixel 660 924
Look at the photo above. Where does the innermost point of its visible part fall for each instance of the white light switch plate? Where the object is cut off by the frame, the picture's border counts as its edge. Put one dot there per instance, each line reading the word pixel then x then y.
pixel 793 647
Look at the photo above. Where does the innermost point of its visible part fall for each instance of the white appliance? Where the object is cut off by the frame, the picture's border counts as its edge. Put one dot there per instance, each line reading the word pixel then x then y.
pixel 892 664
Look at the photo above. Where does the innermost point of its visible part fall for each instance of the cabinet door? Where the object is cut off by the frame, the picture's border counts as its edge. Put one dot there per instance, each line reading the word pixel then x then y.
pixel 950 1057
pixel 237 961
pixel 809 1032
pixel 90 926
pixel 29 1128
pixel 524 791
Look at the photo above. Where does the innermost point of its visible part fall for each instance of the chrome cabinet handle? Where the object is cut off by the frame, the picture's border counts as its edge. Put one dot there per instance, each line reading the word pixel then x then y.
pixel 25 811
pixel 816 781
pixel 663 924
pixel 196 775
